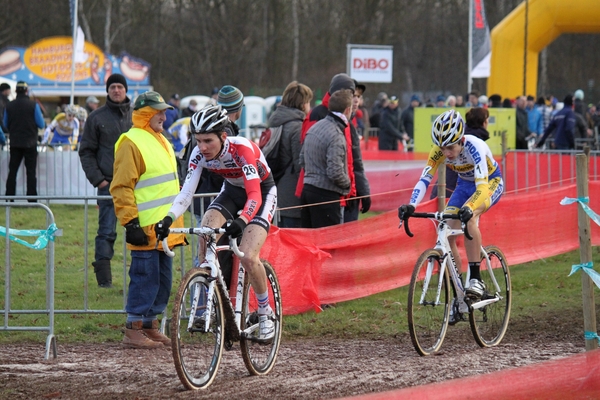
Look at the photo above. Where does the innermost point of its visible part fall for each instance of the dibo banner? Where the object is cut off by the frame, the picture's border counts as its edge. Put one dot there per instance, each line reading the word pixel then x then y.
pixel 369 63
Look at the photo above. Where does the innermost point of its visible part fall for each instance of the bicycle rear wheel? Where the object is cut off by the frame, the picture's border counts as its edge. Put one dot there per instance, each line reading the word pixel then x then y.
pixel 260 357
pixel 489 323
pixel 196 352
pixel 428 305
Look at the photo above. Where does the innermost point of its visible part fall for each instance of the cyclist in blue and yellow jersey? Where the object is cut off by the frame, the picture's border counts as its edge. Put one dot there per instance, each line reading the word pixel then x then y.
pixel 478 188
pixel 178 133
pixel 64 128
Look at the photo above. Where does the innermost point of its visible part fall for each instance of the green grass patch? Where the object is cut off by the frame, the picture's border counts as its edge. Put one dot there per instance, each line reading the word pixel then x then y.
pixel 541 290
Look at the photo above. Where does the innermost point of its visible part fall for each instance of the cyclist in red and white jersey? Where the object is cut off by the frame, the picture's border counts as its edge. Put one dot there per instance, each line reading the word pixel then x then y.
pixel 248 187
pixel 478 188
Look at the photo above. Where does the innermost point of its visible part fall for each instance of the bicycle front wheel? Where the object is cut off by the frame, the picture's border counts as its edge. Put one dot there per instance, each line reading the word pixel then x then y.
pixel 260 357
pixel 428 307
pixel 196 351
pixel 490 322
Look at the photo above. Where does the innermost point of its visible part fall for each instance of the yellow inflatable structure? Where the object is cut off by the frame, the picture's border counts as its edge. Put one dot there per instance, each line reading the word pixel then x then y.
pixel 547 19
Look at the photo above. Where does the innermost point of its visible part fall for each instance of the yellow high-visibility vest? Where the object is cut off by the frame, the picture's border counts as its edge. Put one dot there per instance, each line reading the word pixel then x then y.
pixel 157 188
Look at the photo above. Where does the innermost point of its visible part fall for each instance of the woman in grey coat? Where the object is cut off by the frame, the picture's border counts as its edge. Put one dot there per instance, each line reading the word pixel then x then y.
pixel 295 105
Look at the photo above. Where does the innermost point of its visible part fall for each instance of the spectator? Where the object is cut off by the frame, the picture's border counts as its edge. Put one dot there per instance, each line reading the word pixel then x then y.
pixel 407 119
pixel 232 100
pixel 291 112
pixel 214 94
pixel 545 111
pixel 325 161
pixel 460 102
pixel 522 124
pixel 495 101
pixel 173 114
pixel 4 93
pixel 365 118
pixel 91 104
pixel 390 131
pixel 507 103
pixel 190 109
pixel 473 99
pixel 451 101
pixel 578 104
pixel 97 153
pixel 483 101
pixel 141 154
pixel 440 101
pixel 534 119
pixel 378 106
pixel 338 82
pixel 363 191
pixel 22 118
pixel 562 126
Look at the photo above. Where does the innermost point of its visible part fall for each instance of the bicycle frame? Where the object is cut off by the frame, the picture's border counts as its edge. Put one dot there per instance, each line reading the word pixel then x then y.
pixel 444 231
pixel 211 262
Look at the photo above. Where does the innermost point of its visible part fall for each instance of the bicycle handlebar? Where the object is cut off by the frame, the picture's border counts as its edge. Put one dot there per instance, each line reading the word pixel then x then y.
pixel 201 231
pixel 438 216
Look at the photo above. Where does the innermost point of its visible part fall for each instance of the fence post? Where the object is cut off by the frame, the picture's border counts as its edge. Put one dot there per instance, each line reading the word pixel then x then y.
pixel 585 253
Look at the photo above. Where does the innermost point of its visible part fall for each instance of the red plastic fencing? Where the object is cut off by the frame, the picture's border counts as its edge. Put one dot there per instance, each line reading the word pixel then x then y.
pixel 575 377
pixel 345 262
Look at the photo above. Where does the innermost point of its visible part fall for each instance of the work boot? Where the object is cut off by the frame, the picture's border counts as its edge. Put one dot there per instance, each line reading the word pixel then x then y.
pixel 136 338
pixel 152 332
pixel 103 273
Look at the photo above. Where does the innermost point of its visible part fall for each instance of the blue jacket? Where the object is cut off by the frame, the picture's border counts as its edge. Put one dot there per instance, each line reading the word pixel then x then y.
pixel 535 121
pixel 563 126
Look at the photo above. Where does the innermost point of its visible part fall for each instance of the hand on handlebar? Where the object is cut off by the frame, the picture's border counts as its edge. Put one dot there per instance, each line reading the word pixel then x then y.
pixel 405 211
pixel 234 228
pixel 465 214
pixel 162 228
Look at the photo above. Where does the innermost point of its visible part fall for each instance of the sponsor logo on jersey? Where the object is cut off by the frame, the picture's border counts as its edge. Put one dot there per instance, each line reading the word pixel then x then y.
pixel 473 152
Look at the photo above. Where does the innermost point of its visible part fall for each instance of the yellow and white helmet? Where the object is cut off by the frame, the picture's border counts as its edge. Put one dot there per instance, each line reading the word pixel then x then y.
pixel 447 129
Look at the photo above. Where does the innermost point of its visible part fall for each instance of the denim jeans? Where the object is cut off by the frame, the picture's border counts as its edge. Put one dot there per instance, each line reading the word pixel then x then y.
pixel 150 279
pixel 107 221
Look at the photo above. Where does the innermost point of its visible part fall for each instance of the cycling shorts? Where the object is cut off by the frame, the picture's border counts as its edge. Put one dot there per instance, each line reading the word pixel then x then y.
pixel 465 189
pixel 232 199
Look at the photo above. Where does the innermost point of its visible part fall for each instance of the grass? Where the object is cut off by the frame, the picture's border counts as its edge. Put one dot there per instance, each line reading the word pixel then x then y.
pixel 541 289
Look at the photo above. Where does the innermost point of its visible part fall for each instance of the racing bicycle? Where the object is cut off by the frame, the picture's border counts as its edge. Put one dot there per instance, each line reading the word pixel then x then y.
pixel 437 296
pixel 208 317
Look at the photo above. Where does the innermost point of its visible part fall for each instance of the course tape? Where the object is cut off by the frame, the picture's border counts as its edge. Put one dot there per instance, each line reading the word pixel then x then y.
pixel 583 201
pixel 592 335
pixel 44 236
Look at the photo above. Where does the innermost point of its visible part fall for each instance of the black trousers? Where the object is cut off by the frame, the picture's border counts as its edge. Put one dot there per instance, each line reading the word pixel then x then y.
pixel 321 215
pixel 16 156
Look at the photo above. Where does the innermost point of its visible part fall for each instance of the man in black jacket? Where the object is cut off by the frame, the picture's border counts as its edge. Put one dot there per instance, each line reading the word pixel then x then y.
pixel 22 119
pixel 97 153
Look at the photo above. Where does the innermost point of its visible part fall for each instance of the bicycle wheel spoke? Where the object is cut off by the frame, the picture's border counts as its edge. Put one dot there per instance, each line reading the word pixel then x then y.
pixel 428 308
pixel 489 323
pixel 260 358
pixel 196 350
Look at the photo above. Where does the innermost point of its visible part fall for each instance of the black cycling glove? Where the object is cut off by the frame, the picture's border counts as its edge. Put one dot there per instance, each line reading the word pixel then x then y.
pixel 405 211
pixel 134 234
pixel 235 228
pixel 162 228
pixel 465 214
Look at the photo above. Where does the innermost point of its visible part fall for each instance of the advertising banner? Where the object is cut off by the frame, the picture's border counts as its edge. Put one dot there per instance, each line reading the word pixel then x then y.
pixel 480 42
pixel 46 67
pixel 368 63
pixel 502 120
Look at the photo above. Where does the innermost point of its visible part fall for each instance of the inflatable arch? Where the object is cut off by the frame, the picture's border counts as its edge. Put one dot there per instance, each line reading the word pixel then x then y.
pixel 548 19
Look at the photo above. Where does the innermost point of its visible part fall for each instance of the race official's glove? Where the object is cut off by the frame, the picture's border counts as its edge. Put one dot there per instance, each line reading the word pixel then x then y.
pixel 465 214
pixel 365 204
pixel 162 228
pixel 235 228
pixel 405 211
pixel 134 234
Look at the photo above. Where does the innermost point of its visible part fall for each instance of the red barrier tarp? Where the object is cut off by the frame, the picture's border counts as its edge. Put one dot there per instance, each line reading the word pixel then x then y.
pixel 354 260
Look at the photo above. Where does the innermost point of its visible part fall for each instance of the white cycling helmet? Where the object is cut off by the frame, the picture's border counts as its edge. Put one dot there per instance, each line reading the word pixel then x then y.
pixel 209 119
pixel 71 110
pixel 447 129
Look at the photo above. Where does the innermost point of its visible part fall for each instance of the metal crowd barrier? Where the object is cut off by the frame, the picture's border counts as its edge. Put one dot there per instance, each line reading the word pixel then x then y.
pixel 50 311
